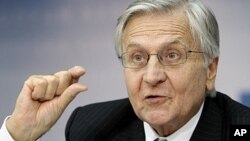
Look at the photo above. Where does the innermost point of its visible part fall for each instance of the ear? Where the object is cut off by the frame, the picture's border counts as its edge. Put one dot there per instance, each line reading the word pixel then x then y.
pixel 211 74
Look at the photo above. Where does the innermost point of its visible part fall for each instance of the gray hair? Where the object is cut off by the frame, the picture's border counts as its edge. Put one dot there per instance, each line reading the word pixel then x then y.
pixel 202 21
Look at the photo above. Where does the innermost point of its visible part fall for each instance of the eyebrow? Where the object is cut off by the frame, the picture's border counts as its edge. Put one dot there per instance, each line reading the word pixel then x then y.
pixel 133 44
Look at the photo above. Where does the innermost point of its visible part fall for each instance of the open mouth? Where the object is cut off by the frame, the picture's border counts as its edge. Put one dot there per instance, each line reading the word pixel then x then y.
pixel 153 96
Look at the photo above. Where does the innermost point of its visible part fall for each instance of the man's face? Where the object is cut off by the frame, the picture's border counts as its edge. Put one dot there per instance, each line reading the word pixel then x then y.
pixel 166 97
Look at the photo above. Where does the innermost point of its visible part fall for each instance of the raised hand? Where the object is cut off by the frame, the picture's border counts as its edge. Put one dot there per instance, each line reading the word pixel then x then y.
pixel 41 102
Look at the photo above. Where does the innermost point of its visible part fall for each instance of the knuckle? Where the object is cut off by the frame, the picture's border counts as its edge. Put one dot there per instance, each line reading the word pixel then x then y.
pixel 31 78
pixel 41 82
pixel 65 75
pixel 36 80
pixel 27 81
pixel 52 79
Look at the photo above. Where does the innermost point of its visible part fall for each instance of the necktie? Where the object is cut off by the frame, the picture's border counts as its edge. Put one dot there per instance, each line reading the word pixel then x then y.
pixel 160 139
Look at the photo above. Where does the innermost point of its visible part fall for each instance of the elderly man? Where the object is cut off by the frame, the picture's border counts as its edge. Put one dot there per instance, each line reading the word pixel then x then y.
pixel 170 52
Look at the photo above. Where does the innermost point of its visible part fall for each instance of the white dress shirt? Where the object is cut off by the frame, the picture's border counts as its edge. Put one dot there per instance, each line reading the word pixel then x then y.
pixel 4 134
pixel 182 134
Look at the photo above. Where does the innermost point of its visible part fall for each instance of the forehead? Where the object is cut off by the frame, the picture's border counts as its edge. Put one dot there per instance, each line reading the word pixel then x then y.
pixel 157 29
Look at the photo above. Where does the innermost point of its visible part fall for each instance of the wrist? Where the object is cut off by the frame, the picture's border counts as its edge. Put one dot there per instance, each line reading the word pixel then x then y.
pixel 17 131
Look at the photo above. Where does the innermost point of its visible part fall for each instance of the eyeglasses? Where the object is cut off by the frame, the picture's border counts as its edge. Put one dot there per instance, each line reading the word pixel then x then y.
pixel 136 57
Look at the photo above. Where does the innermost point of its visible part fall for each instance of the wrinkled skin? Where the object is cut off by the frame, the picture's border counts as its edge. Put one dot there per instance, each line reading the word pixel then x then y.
pixel 163 96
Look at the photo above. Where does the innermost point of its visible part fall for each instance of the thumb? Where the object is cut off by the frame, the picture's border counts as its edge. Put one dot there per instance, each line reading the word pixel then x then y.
pixel 70 93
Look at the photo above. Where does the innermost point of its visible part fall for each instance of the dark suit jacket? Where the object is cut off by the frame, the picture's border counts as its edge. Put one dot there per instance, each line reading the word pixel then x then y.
pixel 116 121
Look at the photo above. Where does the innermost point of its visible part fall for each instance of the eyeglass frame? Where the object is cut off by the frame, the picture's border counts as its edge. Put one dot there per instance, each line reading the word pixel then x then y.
pixel 158 57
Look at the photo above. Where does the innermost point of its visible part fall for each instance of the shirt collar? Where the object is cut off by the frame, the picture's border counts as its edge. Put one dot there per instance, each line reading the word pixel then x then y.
pixel 182 134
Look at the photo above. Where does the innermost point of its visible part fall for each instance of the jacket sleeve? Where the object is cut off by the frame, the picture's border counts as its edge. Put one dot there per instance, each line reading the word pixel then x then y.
pixel 69 123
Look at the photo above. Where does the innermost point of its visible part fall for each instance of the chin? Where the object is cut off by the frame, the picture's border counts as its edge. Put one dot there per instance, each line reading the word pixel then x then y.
pixel 157 118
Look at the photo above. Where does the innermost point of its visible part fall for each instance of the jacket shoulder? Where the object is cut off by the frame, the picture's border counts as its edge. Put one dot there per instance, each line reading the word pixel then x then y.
pixel 232 109
pixel 218 114
pixel 98 120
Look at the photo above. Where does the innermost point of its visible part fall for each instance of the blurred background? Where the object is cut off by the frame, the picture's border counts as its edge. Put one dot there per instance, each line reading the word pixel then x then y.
pixel 43 37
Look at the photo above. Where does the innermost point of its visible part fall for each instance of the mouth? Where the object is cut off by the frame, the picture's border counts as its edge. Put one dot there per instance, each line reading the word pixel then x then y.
pixel 155 99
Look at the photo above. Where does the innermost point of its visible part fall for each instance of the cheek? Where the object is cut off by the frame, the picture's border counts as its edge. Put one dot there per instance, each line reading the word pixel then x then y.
pixel 133 82
pixel 191 79
pixel 189 87
pixel 194 87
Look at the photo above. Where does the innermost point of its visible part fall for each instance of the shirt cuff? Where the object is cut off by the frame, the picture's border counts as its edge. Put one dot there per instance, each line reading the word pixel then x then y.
pixel 4 133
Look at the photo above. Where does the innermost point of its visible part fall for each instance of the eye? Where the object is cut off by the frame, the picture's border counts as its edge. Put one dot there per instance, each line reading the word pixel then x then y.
pixel 171 56
pixel 137 57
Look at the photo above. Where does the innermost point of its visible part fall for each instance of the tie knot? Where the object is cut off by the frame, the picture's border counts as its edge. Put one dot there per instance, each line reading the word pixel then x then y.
pixel 160 139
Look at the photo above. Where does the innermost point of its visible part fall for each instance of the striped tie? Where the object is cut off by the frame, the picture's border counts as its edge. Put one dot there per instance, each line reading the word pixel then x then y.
pixel 160 139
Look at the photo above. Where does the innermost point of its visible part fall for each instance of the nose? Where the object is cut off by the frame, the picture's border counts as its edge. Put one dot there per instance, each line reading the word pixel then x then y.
pixel 155 72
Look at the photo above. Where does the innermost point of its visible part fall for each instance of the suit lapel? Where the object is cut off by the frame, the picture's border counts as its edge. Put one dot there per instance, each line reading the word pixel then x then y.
pixel 212 124
pixel 133 132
